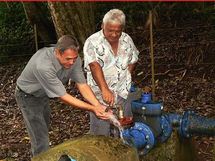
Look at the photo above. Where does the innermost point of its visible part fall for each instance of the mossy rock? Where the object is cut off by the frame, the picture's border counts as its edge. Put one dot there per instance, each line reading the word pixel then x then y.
pixel 91 148
pixel 175 149
pixel 101 148
pixel 8 159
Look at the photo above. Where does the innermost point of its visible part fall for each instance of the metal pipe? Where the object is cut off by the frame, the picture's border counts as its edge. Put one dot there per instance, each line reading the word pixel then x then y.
pixel 148 113
pixel 192 124
pixel 174 119
pixel 140 136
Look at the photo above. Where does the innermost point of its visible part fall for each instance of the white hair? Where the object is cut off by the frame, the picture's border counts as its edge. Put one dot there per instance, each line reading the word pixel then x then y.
pixel 114 16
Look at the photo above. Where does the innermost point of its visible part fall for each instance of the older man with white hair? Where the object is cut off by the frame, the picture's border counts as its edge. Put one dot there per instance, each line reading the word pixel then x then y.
pixel 109 59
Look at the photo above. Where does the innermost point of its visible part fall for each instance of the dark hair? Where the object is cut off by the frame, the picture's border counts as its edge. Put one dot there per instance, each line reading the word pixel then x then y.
pixel 67 42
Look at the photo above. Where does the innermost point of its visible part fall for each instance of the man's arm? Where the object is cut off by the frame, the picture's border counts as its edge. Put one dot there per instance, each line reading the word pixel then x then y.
pixel 131 67
pixel 87 93
pixel 98 110
pixel 98 76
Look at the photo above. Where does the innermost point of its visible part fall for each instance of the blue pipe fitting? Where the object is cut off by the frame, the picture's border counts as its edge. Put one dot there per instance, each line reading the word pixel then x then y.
pixel 149 114
pixel 183 130
pixel 139 136
pixel 146 97
pixel 147 109
pixel 174 119
pixel 166 129
pixel 151 124
pixel 133 88
pixel 194 124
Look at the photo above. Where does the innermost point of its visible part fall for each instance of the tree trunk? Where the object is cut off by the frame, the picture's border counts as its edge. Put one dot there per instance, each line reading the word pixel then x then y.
pixel 36 14
pixel 75 18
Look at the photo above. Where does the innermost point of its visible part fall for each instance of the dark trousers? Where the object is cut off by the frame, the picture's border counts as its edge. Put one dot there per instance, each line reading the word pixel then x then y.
pixel 36 113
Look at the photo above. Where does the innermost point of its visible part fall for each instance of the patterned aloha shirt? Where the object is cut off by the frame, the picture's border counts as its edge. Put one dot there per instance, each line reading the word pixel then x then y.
pixel 115 68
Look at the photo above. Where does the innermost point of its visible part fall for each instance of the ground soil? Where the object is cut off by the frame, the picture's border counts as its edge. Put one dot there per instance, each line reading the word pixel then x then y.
pixel 194 91
pixel 183 80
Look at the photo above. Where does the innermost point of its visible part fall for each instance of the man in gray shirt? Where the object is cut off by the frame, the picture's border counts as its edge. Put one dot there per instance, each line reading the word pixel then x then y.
pixel 43 78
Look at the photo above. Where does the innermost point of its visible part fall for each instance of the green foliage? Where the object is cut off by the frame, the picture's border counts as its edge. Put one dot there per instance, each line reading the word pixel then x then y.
pixel 173 13
pixel 17 37
pixel 15 32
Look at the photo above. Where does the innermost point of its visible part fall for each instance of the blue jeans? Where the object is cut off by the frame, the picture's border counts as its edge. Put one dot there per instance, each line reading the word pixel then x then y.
pixel 36 113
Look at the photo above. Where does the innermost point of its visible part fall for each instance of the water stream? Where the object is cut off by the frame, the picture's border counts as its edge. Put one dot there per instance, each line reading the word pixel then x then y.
pixel 117 124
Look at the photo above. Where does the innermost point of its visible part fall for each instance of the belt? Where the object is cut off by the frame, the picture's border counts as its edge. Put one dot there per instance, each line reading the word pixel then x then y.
pixel 20 90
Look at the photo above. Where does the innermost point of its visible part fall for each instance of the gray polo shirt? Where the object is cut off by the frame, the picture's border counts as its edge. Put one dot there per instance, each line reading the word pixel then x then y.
pixel 45 76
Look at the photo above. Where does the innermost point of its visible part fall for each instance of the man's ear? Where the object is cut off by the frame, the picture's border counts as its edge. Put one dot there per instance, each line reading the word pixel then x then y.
pixel 57 52
pixel 102 26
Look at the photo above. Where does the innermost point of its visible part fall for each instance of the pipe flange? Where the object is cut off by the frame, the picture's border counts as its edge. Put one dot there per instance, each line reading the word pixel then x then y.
pixel 140 136
pixel 183 130
pixel 166 129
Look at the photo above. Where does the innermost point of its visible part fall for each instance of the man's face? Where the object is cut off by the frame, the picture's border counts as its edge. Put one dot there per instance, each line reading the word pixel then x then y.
pixel 112 31
pixel 67 58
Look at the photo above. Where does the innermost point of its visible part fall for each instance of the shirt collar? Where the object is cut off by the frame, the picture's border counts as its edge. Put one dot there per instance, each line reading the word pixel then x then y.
pixel 102 36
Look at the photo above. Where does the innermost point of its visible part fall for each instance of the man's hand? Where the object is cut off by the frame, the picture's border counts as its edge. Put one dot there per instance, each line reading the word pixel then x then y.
pixel 98 76
pixel 108 97
pixel 100 112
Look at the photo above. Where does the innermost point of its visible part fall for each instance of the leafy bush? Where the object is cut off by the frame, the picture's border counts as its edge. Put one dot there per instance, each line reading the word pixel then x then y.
pixel 15 31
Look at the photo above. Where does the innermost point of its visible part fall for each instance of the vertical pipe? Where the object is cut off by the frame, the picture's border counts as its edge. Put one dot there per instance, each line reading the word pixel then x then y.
pixel 35 37
pixel 152 56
